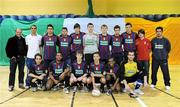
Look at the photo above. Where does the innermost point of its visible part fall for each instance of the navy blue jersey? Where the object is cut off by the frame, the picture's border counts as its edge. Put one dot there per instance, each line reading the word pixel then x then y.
pixel 129 41
pixel 116 44
pixel 77 41
pixel 49 43
pixel 160 48
pixel 57 68
pixel 78 69
pixel 65 46
pixel 38 69
pixel 114 70
pixel 104 43
pixel 97 69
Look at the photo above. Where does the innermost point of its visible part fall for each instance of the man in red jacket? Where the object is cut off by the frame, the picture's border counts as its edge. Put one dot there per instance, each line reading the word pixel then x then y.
pixel 143 49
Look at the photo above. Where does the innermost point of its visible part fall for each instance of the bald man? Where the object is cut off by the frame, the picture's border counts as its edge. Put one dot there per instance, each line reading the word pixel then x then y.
pixel 16 51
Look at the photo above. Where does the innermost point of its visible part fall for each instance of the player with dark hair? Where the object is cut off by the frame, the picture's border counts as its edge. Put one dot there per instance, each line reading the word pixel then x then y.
pixel 143 49
pixel 129 38
pixel 130 72
pixel 112 70
pixel 79 72
pixel 65 45
pixel 117 46
pixel 58 72
pixel 49 42
pixel 37 74
pixel 97 72
pixel 77 41
pixel 160 50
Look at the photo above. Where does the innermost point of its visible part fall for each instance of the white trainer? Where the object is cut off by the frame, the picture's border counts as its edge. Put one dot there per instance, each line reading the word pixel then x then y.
pixel 138 91
pixel 152 86
pixel 168 87
pixel 66 90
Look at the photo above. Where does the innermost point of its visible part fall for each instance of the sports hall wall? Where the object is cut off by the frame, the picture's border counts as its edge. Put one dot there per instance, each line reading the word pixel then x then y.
pixel 141 13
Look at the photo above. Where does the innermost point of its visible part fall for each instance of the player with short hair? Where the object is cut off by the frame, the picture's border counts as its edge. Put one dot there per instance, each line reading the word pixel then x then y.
pixel 97 72
pixel 33 42
pixel 112 70
pixel 49 42
pixel 90 44
pixel 79 72
pixel 77 41
pixel 161 47
pixel 58 72
pixel 131 71
pixel 104 43
pixel 117 46
pixel 65 45
pixel 129 37
pixel 38 73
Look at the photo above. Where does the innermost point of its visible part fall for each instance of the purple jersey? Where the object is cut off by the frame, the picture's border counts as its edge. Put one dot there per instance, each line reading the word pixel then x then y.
pixel 104 42
pixel 114 70
pixel 77 41
pixel 38 69
pixel 129 41
pixel 49 43
pixel 57 68
pixel 65 46
pixel 116 44
pixel 97 69
pixel 78 69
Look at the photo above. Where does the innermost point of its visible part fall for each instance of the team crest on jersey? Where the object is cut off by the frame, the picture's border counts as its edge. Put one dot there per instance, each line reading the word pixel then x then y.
pixel 104 38
pixel 111 70
pixel 79 67
pixel 96 68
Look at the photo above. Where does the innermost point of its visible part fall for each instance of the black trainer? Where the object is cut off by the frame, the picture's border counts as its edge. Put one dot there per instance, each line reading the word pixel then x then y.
pixel 132 95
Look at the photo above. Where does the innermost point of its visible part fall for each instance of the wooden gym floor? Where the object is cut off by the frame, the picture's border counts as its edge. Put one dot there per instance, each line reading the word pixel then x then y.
pixel 152 98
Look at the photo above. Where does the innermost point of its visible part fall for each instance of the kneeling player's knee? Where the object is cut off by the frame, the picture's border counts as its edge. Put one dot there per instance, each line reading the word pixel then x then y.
pixel 48 86
pixel 103 80
pixel 88 81
pixel 118 88
pixel 71 80
pixel 84 80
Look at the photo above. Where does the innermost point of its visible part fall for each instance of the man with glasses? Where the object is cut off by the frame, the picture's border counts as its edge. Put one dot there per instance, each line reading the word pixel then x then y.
pixel 33 41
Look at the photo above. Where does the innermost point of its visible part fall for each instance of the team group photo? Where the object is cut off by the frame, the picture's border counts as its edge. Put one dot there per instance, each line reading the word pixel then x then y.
pixel 89 61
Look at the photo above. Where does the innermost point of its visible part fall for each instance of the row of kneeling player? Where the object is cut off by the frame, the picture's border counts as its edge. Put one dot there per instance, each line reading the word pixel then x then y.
pixel 77 75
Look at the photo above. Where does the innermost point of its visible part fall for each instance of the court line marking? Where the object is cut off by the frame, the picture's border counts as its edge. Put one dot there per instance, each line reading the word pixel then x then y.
pixel 72 100
pixel 141 102
pixel 168 93
pixel 114 100
pixel 14 96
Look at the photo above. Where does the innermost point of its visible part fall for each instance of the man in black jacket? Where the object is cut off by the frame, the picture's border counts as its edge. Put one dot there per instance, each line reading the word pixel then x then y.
pixel 16 50
pixel 160 50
